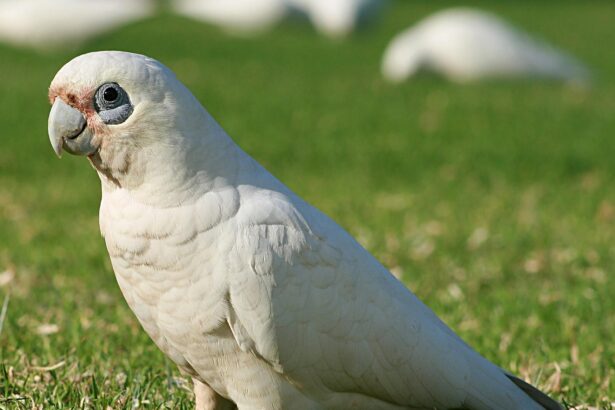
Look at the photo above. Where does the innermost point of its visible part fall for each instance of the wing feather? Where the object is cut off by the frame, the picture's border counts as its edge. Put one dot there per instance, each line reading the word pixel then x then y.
pixel 326 315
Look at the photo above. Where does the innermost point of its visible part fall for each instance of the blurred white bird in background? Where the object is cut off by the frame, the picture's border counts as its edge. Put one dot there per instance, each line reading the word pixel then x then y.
pixel 336 18
pixel 464 45
pixel 236 16
pixel 49 24
pixel 333 18
pixel 264 300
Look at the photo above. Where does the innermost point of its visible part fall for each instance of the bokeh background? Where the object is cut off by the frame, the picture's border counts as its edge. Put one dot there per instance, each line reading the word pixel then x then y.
pixel 493 201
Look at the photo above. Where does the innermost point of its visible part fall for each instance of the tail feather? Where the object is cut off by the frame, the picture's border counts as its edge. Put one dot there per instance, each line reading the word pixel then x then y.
pixel 539 397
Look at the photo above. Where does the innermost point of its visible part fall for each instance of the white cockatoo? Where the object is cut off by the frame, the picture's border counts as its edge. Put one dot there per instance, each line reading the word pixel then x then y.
pixel 45 24
pixel 336 18
pixel 262 299
pixel 465 45
pixel 236 16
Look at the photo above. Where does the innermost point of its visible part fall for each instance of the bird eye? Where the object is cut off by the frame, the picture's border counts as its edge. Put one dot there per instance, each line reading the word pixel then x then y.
pixel 110 94
pixel 112 103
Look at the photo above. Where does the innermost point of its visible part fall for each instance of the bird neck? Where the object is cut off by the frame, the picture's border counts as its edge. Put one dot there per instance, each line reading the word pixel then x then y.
pixel 188 165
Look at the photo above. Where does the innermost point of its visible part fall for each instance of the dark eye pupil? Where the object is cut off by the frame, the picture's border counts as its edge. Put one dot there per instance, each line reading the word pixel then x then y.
pixel 110 94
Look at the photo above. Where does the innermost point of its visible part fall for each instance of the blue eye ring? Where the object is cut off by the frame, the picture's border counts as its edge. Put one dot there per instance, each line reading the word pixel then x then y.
pixel 112 103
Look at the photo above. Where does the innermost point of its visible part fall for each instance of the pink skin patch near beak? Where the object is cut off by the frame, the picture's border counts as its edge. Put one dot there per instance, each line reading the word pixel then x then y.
pixel 82 100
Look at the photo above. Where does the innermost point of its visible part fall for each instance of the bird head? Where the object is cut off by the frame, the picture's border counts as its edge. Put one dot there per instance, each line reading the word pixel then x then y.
pixel 126 112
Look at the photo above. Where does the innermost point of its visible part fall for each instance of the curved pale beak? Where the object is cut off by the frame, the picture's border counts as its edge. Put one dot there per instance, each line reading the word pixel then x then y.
pixel 68 129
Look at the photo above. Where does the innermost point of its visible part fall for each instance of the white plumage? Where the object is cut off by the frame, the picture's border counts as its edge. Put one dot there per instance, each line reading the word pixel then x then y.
pixel 333 18
pixel 237 16
pixel 466 44
pixel 265 301
pixel 336 18
pixel 54 23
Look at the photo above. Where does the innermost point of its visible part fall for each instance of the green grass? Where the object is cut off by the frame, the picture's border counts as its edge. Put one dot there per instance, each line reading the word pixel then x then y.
pixel 494 201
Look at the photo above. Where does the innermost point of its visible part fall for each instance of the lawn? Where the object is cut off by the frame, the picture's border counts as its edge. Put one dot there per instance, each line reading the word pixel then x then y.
pixel 493 202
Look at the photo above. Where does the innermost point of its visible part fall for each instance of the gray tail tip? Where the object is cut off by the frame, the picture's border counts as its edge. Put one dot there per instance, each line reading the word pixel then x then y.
pixel 539 397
